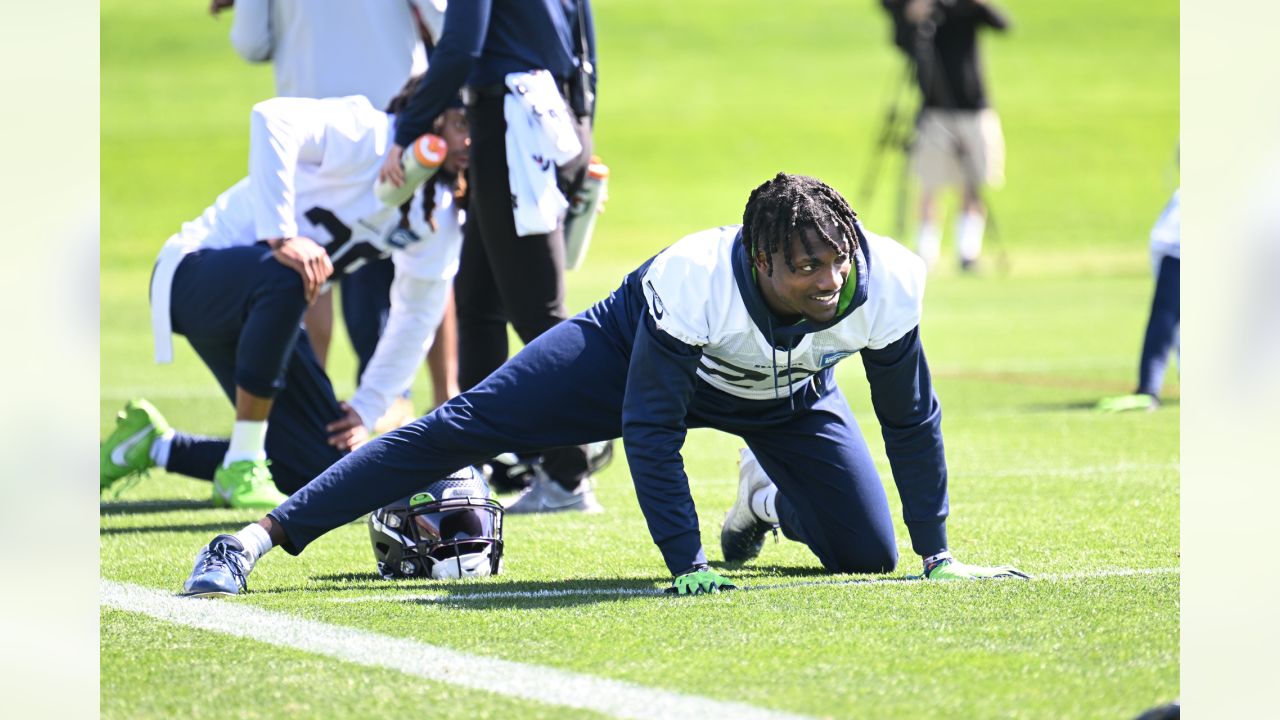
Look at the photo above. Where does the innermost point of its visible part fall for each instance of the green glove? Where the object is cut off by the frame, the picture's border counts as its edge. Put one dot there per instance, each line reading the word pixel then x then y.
pixel 699 579
pixel 951 569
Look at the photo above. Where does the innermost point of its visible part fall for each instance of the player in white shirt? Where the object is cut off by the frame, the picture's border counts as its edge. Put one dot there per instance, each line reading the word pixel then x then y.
pixel 328 48
pixel 325 48
pixel 737 328
pixel 237 280
pixel 1161 337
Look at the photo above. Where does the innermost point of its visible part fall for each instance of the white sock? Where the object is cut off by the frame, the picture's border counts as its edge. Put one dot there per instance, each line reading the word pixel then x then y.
pixel 929 242
pixel 764 503
pixel 248 442
pixel 969 232
pixel 255 539
pixel 160 449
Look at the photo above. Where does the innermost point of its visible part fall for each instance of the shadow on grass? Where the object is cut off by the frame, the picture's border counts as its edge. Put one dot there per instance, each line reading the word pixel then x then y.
pixel 444 591
pixel 143 507
pixel 495 594
pixel 740 571
pixel 224 526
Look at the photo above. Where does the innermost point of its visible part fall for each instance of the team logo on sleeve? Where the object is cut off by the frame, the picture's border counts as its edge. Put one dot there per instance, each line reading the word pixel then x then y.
pixel 658 308
pixel 402 238
pixel 832 358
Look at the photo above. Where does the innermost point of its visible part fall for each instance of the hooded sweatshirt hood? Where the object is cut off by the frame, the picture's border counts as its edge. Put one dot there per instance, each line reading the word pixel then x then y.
pixel 787 336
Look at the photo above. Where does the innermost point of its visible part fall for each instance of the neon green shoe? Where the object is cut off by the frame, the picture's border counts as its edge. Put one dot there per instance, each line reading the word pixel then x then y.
pixel 127 451
pixel 1128 403
pixel 246 484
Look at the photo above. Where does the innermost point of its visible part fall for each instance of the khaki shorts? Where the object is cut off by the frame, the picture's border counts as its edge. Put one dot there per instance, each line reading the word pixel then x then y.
pixel 957 148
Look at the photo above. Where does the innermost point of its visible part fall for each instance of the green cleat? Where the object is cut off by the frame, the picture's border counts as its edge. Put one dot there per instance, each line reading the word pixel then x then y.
pixel 1128 403
pixel 127 451
pixel 246 484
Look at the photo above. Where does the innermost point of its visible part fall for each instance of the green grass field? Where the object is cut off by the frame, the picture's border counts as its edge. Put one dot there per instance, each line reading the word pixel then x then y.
pixel 699 103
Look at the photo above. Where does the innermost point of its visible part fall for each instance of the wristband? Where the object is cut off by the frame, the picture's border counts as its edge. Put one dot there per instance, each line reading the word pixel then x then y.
pixel 933 560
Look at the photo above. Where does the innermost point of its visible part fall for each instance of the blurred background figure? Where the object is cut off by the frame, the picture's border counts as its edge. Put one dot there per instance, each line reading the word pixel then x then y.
pixel 1162 326
pixel 529 66
pixel 958 140
pixel 332 48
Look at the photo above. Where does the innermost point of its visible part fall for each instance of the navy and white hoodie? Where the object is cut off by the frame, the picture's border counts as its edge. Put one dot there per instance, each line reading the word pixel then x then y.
pixel 708 352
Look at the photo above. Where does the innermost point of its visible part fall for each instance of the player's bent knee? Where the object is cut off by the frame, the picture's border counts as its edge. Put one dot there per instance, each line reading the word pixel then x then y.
pixel 865 560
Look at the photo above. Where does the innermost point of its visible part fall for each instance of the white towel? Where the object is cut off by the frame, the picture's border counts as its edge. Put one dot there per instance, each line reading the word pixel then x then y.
pixel 540 136
pixel 177 248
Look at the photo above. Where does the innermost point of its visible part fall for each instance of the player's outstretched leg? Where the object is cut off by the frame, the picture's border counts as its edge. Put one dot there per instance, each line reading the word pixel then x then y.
pixel 753 514
pixel 127 451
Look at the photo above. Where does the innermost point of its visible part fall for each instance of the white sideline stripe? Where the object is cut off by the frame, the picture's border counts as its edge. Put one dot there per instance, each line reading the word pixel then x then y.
pixel 625 591
pixel 502 677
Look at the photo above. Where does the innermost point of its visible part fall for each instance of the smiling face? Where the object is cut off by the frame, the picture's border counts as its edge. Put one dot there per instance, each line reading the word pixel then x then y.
pixel 453 126
pixel 812 290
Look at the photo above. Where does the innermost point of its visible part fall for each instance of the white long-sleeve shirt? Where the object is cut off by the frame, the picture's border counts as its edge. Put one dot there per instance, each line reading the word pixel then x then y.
pixel 306 154
pixel 333 48
pixel 1166 235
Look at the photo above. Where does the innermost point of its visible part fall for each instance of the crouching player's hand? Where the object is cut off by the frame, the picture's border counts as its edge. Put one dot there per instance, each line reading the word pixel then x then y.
pixel 945 567
pixel 699 579
pixel 347 432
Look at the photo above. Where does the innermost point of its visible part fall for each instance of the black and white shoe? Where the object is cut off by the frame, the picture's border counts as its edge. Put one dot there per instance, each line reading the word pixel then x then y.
pixel 743 533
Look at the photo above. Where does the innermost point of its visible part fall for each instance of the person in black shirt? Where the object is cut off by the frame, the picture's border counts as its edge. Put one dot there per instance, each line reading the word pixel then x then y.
pixel 958 138
pixel 504 275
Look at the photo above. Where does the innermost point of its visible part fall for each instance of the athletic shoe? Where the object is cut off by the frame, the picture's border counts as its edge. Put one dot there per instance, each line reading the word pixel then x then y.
pixel 127 451
pixel 545 495
pixel 599 455
pixel 742 535
pixel 1128 403
pixel 508 473
pixel 221 569
pixel 246 484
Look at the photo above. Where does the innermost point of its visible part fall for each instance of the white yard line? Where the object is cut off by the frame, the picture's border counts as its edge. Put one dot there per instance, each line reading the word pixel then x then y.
pixel 631 592
pixel 438 664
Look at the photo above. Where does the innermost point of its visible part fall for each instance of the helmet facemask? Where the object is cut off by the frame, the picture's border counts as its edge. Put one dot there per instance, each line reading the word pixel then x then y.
pixel 458 536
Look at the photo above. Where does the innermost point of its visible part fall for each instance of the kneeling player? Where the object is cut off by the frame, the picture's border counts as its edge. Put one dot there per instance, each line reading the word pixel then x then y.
pixel 737 328
pixel 237 280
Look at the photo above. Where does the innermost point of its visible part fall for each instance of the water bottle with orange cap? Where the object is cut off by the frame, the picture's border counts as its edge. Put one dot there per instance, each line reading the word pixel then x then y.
pixel 423 158
pixel 580 222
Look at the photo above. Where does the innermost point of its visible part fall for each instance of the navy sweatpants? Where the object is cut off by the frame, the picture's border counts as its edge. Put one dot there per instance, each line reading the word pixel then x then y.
pixel 566 388
pixel 1162 327
pixel 241 310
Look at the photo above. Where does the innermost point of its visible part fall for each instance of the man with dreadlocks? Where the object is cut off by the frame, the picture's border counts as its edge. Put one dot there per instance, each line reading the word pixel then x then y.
pixel 736 328
pixel 237 280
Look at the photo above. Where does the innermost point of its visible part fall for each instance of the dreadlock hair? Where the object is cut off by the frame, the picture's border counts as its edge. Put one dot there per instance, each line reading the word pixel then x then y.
pixel 443 178
pixel 397 104
pixel 788 204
